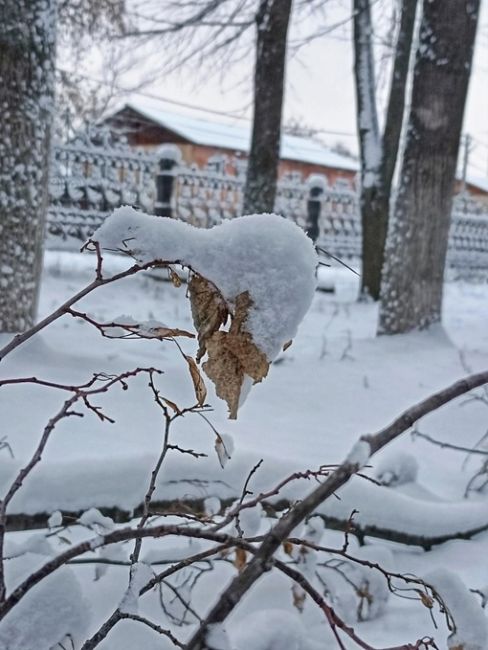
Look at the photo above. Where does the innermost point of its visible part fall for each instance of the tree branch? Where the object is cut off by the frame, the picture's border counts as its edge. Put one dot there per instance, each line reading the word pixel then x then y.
pixel 272 540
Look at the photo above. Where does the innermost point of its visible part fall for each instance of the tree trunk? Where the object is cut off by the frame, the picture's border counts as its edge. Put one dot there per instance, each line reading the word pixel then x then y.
pixel 262 172
pixel 378 157
pixel 419 228
pixel 27 60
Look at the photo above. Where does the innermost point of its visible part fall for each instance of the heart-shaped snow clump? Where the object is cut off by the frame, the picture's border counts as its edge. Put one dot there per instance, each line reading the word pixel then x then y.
pixel 258 269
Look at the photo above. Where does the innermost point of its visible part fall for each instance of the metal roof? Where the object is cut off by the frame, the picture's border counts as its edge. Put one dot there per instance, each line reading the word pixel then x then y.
pixel 236 135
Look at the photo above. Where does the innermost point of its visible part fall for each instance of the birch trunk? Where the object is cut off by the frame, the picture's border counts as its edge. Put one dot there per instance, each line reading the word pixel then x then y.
pixel 378 155
pixel 27 60
pixel 418 232
pixel 269 80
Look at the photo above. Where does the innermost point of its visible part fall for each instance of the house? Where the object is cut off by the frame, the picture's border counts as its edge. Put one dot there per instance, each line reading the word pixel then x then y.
pixel 201 140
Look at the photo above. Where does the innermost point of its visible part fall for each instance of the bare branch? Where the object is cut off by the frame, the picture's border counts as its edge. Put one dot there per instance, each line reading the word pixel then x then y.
pixel 272 540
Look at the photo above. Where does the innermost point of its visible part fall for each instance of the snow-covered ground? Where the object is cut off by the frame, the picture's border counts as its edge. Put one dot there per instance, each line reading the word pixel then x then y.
pixel 336 382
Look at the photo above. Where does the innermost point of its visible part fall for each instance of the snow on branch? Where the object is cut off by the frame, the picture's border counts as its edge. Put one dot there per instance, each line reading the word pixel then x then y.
pixel 469 625
pixel 257 270
pixel 337 479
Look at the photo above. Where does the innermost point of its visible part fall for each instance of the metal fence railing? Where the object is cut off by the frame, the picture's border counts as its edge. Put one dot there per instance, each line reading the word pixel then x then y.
pixel 96 171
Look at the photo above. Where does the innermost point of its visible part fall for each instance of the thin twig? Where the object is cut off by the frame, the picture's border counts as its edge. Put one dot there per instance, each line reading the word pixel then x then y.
pixel 280 531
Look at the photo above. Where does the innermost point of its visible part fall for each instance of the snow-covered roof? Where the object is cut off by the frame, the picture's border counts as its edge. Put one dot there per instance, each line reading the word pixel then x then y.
pixel 236 134
pixel 480 182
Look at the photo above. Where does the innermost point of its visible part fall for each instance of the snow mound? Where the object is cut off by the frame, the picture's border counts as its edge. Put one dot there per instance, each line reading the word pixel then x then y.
pixel 271 629
pixel 398 468
pixel 49 613
pixel 471 631
pixel 265 254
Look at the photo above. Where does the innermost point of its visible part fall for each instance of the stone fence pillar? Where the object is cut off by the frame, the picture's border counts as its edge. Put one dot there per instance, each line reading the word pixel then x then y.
pixel 316 185
pixel 170 157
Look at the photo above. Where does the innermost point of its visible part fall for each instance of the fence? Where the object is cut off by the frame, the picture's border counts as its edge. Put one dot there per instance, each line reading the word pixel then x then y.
pixel 98 171
pixel 93 173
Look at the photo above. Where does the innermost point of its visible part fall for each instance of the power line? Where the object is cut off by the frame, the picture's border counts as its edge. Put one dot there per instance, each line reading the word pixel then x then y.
pixel 157 97
pixel 477 167
pixel 481 142
pixel 175 102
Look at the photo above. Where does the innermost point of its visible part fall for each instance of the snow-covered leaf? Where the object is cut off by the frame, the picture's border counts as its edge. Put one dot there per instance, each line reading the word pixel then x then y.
pixel 55 520
pixel 233 355
pixel 94 519
pixel 198 383
pixel 208 309
pixel 224 446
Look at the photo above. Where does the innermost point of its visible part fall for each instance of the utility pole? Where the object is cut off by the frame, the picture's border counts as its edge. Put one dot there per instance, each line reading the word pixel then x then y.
pixel 466 152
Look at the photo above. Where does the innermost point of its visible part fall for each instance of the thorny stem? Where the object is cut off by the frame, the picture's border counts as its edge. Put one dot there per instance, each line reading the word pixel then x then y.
pixel 114 537
pixel 322 472
pixel 154 474
pixel 388 575
pixel 114 618
pixel 335 622
pixel 447 445
pixel 79 393
pixel 263 558
pixel 99 281
pixel 153 626
pixel 333 619
pixel 272 540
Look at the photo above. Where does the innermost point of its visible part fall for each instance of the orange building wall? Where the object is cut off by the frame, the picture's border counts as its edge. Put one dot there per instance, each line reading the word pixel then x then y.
pixel 200 155
pixel 148 135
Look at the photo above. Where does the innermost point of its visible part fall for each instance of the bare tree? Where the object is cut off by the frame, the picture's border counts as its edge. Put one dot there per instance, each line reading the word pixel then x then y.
pixel 272 22
pixel 378 152
pixel 27 43
pixel 418 232
pixel 217 27
pixel 85 25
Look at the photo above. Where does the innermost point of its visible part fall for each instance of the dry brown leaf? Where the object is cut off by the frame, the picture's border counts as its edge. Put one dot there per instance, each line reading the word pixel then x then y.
pixel 288 548
pixel 232 355
pixel 240 559
pixel 287 345
pixel 174 407
pixel 167 332
pixel 426 600
pixel 208 309
pixel 224 369
pixel 174 278
pixel 198 383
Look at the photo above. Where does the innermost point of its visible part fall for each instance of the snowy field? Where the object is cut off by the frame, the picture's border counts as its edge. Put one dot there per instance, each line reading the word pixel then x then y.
pixel 336 382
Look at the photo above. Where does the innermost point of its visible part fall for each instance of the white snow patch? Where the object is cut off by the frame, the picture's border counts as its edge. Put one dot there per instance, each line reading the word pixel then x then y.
pixel 250 520
pixel 94 519
pixel 471 624
pixel 56 519
pixel 398 468
pixel 217 637
pixel 52 610
pixel 265 254
pixel 224 446
pixel 212 506
pixel 271 629
pixel 359 454
pixel 140 574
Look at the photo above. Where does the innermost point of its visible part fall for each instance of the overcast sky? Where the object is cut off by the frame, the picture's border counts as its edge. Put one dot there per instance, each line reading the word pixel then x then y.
pixel 319 88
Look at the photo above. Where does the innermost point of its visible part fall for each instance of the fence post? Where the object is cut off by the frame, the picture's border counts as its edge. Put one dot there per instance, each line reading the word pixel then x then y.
pixel 316 184
pixel 165 180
